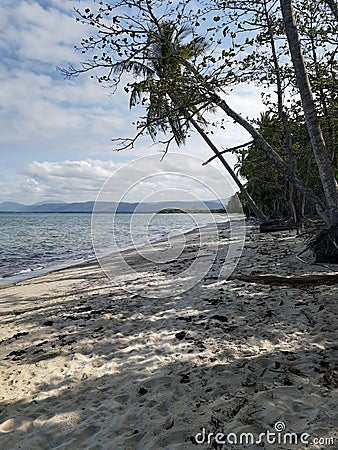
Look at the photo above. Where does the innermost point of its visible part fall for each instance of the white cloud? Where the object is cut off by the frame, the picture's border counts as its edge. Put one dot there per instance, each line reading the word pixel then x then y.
pixel 84 170
pixel 178 176
pixel 40 111
pixel 69 180
pixel 45 118
pixel 38 33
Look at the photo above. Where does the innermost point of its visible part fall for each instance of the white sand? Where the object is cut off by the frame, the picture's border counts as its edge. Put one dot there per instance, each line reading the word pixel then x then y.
pixel 87 365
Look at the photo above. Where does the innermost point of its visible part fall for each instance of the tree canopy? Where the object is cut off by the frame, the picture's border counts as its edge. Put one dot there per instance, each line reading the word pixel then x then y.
pixel 179 60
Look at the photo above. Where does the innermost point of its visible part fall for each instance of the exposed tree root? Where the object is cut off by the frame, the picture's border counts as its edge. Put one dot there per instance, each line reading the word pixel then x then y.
pixel 325 246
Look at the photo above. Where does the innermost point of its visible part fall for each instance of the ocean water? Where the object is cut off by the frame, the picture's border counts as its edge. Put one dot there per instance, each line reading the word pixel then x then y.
pixel 31 244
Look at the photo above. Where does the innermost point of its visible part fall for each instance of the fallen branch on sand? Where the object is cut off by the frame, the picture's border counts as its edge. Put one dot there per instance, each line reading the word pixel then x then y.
pixel 277 225
pixel 326 278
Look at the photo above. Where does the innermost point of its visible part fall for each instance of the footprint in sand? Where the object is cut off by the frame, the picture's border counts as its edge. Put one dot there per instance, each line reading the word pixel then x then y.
pixel 84 435
pixel 122 399
pixel 176 439
pixel 159 382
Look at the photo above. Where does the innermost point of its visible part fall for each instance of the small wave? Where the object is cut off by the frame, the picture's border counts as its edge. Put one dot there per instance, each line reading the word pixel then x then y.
pixel 24 271
pixel 33 256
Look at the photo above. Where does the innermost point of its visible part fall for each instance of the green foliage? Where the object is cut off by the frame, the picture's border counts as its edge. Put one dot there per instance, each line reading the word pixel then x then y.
pixel 269 188
pixel 234 205
pixel 165 87
pixel 176 58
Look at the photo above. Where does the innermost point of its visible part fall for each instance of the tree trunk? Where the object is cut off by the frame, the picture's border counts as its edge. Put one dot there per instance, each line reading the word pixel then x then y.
pixel 273 156
pixel 282 115
pixel 259 214
pixel 325 168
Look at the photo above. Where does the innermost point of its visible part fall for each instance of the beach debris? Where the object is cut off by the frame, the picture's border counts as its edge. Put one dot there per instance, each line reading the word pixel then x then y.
pixel 17 335
pixel 238 407
pixel 180 335
pixel 268 313
pixel 219 318
pixel 187 318
pixel 287 381
pixel 185 378
pixel 249 382
pixel 16 354
pixel 200 344
pixel 143 391
pixel 296 371
pixel 330 378
pixel 330 374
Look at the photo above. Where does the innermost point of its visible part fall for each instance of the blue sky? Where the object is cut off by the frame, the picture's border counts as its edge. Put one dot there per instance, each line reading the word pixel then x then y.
pixel 55 135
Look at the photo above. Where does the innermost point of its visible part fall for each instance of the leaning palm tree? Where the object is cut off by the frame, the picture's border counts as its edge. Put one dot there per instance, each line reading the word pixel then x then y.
pixel 168 88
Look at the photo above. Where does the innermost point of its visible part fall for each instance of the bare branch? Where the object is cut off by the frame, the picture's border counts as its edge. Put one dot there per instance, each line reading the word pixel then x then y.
pixel 227 150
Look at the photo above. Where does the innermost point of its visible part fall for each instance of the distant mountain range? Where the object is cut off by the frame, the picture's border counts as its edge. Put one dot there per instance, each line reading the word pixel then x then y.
pixel 107 207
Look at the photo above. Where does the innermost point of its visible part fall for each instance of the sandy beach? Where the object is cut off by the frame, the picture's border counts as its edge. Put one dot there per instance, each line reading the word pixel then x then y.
pixel 91 364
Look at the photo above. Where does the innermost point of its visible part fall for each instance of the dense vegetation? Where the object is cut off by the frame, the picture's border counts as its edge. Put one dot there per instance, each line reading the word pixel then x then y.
pixel 178 61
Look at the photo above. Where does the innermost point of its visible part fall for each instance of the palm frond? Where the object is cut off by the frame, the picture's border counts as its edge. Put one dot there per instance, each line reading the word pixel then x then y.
pixel 167 83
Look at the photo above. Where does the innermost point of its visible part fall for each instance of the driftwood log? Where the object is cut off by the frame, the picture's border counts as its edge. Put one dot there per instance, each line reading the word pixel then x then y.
pixel 294 280
pixel 277 225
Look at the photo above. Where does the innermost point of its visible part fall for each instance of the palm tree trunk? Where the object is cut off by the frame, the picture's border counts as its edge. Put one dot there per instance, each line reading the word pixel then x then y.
pixel 271 155
pixel 326 173
pixel 259 214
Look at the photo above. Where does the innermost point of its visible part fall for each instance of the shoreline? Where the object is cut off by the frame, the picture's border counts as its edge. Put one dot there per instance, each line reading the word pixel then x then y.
pixel 87 364
pixel 30 274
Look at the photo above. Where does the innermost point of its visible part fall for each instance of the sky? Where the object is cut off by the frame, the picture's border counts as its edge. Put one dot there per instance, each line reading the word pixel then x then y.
pixel 56 134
